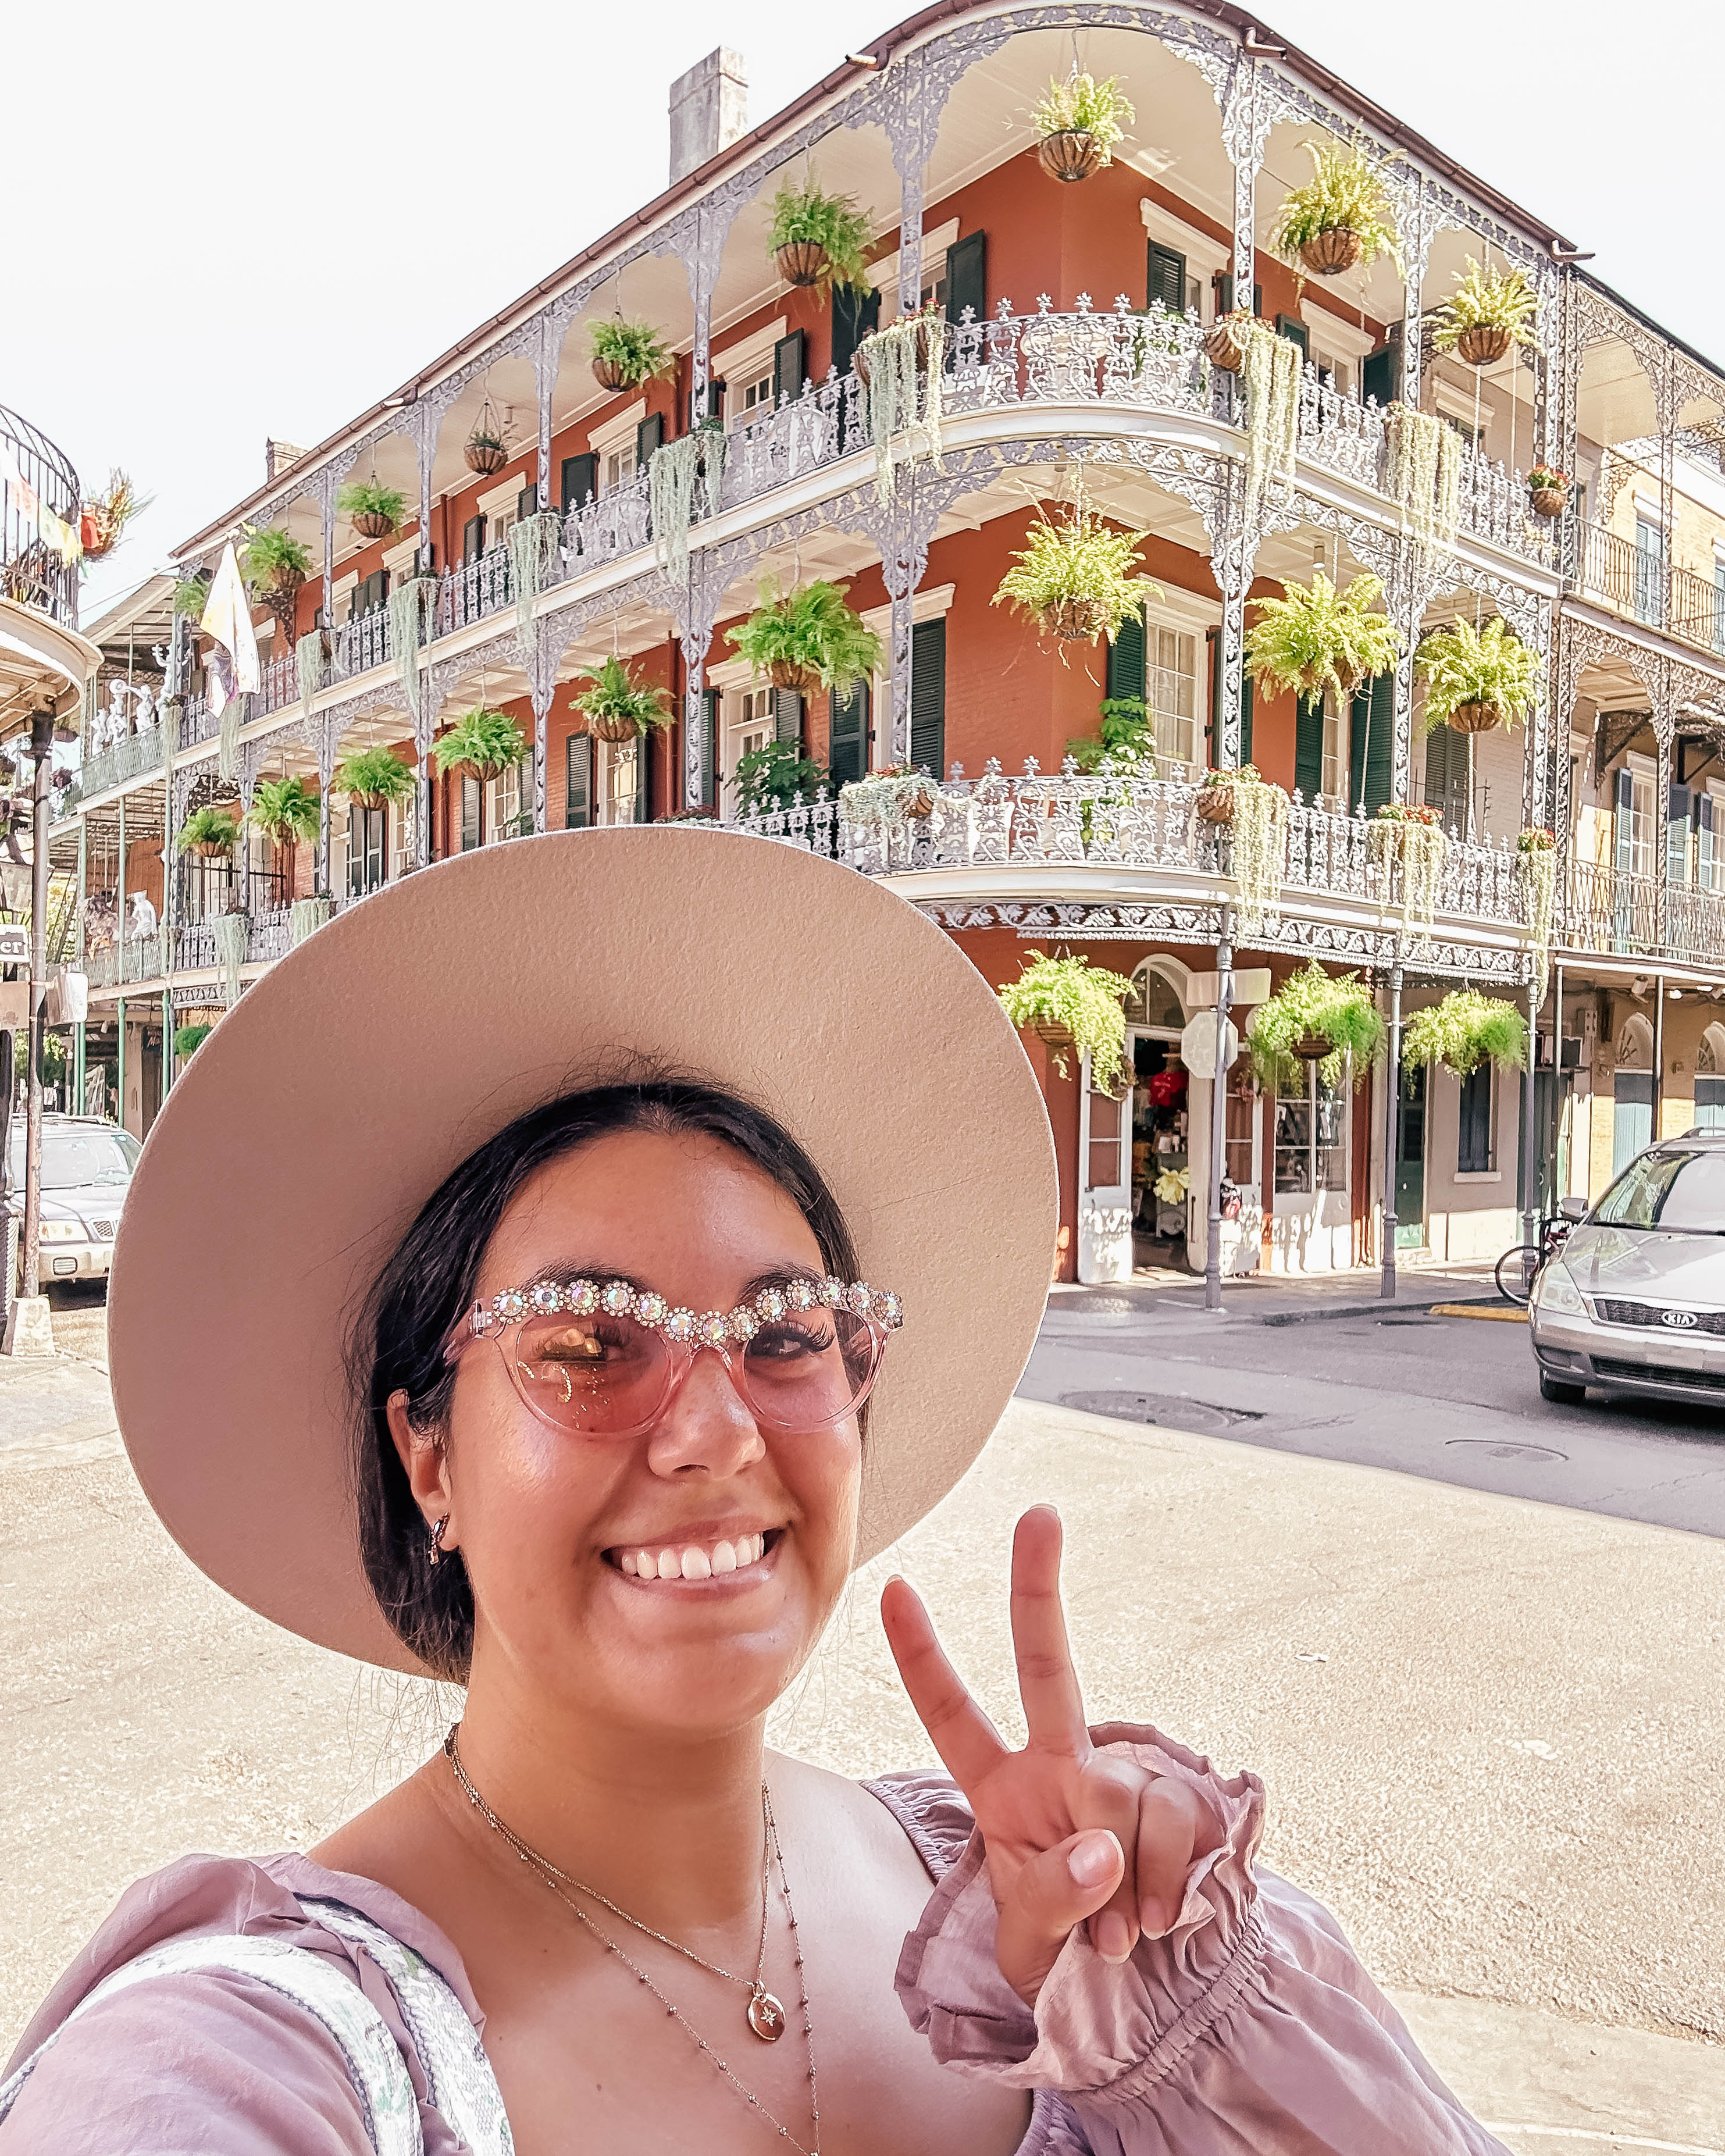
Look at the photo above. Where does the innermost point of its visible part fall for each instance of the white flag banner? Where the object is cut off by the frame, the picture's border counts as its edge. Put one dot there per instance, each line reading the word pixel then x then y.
pixel 227 618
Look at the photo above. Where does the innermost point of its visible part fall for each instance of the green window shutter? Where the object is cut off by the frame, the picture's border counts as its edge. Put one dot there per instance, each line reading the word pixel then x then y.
pixel 649 435
pixel 644 796
pixel 578 781
pixel 1294 330
pixel 707 405
pixel 789 367
pixel 1371 746
pixel 473 538
pixel 788 717
pixel 1246 717
pixel 1448 775
pixel 1677 816
pixel 848 736
pixel 1222 285
pixel 580 481
pixel 928 697
pixel 1165 279
pixel 1378 377
pixel 709 749
pixel 527 502
pixel 1625 791
pixel 1705 855
pixel 1309 748
pixel 1473 1147
pixel 471 798
pixel 855 315
pixel 968 277
pixel 1125 675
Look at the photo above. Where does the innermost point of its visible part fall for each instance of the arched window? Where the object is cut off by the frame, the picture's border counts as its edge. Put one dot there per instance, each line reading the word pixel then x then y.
pixel 1155 1001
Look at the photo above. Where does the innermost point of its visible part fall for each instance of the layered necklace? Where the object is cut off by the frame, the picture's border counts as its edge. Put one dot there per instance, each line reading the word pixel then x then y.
pixel 764 2015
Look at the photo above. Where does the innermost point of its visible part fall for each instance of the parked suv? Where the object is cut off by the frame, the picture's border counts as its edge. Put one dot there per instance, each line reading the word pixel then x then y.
pixel 1635 1300
pixel 87 1171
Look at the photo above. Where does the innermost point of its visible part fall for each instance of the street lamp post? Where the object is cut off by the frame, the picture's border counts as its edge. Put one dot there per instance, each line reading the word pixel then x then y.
pixel 1218 1112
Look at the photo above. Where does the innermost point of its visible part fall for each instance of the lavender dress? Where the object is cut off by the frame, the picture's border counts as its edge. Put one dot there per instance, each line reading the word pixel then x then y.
pixel 277 2008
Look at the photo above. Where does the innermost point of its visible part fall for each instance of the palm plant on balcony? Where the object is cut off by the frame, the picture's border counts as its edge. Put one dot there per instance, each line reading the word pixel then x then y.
pixel 102 518
pixel 1068 1004
pixel 210 832
pixel 1412 834
pixel 1124 743
pixel 1476 678
pixel 374 778
pixel 275 565
pixel 1076 579
pixel 1078 122
pixel 1340 217
pixel 1463 1030
pixel 373 510
pixel 626 354
pixel 1319 1018
pixel 480 744
pixel 618 708
pixel 819 239
pixel 1488 312
pixel 777 775
pixel 1316 636
pixel 286 811
pixel 807 639
pixel 192 596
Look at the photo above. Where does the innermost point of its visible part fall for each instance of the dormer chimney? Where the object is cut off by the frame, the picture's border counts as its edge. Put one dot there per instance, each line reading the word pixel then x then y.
pixel 709 109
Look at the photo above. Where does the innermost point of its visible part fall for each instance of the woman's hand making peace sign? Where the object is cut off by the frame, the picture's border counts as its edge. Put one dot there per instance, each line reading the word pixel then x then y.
pixel 1073 1835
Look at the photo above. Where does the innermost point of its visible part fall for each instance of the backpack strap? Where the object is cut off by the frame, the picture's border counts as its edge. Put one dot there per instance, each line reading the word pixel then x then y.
pixel 373 2059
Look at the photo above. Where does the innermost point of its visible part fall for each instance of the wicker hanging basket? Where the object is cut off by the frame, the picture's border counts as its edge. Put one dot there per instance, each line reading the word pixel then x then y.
pixel 1483 343
pixel 215 850
pixel 370 800
pixel 609 374
pixel 611 728
pixel 1215 804
pixel 373 524
pixel 485 457
pixel 1073 620
pixel 1476 718
pixel 1313 1047
pixel 804 262
pixel 786 673
pixel 1550 501
pixel 1073 153
pixel 1328 254
pixel 1051 1033
pixel 1224 346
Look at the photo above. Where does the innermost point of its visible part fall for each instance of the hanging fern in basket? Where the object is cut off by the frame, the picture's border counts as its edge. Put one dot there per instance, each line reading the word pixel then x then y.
pixel 616 707
pixel 1269 379
pixel 1311 1006
pixel 1461 665
pixel 1082 105
pixel 1501 303
pixel 192 596
pixel 630 353
pixel 483 742
pixel 833 225
pixel 807 640
pixel 1086 1001
pixel 1076 579
pixel 1315 637
pixel 1464 1030
pixel 374 778
pixel 1346 193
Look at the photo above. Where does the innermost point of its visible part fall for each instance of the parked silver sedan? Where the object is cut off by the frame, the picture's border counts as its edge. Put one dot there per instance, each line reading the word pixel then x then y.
pixel 1635 1300
pixel 86 1171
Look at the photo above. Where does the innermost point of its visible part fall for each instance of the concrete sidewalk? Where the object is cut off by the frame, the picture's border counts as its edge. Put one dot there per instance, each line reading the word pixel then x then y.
pixel 1282 1298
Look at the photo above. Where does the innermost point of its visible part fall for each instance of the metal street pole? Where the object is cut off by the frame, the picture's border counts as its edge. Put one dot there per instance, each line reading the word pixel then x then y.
pixel 1392 1133
pixel 1219 1111
pixel 42 749
pixel 1530 1200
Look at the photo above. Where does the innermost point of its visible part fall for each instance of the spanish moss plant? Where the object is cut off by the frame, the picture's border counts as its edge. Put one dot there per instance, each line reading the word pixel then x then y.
pixel 1082 105
pixel 485 741
pixel 633 351
pixel 1345 193
pixel 907 378
pixel 1464 1030
pixel 805 216
pixel 1086 1001
pixel 1270 382
pixel 811 631
pixel 535 547
pixel 671 474
pixel 1414 838
pixel 1425 475
pixel 1338 1009
pixel 1462 665
pixel 1258 839
pixel 1315 637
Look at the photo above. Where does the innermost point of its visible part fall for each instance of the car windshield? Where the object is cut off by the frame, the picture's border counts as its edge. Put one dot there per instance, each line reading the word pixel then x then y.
pixel 1673 1190
pixel 72 1158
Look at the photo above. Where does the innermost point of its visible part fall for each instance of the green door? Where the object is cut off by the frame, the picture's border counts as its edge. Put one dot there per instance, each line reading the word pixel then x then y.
pixel 1410 1164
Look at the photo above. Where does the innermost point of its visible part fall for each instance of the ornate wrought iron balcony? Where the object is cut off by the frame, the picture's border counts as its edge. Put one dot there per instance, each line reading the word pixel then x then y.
pixel 32 571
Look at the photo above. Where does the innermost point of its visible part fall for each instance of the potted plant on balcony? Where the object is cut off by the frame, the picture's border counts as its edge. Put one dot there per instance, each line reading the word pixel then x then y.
pixel 275 565
pixel 1224 341
pixel 807 640
pixel 1463 1030
pixel 374 510
pixel 1068 1004
pixel 480 744
pixel 1315 637
pixel 1077 124
pixel 188 1039
pixel 1413 833
pixel 374 778
pixel 616 708
pixel 627 354
pixel 192 596
pixel 1341 216
pixel 1476 678
pixel 1075 578
pixel 1488 311
pixel 102 518
pixel 484 449
pixel 817 239
pixel 777 775
pixel 1318 1018
pixel 209 832
pixel 1549 490
pixel 1124 743
pixel 887 799
pixel 285 810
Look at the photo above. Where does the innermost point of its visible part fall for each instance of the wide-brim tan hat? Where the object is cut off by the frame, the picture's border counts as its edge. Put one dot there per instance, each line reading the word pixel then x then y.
pixel 303 1139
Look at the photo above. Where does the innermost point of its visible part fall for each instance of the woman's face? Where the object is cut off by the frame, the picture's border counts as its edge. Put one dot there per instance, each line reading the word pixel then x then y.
pixel 550 1524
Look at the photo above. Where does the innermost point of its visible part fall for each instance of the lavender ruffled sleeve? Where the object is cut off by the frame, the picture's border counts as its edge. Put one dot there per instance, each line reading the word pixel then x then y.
pixel 1248 2026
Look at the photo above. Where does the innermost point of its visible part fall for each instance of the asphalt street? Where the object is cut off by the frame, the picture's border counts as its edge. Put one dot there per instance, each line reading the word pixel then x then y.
pixel 1489 1727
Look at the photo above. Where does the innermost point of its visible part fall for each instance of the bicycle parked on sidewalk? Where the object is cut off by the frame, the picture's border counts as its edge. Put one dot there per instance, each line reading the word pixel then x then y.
pixel 1519 1267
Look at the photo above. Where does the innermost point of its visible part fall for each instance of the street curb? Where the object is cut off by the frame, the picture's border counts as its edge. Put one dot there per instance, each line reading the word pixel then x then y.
pixel 1476 1306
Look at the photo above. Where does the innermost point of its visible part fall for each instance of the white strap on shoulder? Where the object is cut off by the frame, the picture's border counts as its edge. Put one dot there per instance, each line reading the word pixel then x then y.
pixel 373 2058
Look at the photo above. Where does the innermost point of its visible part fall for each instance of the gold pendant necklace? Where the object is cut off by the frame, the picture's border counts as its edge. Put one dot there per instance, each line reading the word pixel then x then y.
pixel 764 2014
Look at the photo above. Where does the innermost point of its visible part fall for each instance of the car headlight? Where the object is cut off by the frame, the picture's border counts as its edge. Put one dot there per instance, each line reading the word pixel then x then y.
pixel 1556 1291
pixel 62 1231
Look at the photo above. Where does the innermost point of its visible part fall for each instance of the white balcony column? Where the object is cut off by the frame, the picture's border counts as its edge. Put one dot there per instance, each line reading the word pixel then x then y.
pixel 327 734
pixel 546 350
pixel 1248 113
pixel 542 684
pixel 1663 731
pixel 1231 561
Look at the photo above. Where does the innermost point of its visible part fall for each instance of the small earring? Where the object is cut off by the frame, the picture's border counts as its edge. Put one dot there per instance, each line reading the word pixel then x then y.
pixel 437 1539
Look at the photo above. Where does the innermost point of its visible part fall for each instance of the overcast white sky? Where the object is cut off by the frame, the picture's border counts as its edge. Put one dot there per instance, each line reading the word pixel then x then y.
pixel 225 223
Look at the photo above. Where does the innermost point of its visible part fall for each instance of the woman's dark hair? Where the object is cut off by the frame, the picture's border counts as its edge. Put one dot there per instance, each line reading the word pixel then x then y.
pixel 398 1341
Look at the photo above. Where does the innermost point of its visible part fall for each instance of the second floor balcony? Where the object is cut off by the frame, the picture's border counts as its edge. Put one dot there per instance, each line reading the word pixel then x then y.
pixel 1635 581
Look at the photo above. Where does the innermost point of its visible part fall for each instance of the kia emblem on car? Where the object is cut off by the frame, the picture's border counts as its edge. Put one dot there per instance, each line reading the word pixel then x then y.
pixel 1676 1318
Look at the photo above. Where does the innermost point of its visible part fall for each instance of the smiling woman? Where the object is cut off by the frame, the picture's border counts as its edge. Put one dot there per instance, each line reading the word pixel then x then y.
pixel 587 1386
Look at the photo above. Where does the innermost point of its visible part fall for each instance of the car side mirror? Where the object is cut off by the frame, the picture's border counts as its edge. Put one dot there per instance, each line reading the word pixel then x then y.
pixel 1572 1209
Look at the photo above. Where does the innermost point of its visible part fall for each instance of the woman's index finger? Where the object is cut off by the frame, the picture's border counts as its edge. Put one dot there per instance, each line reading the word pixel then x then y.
pixel 970 1744
pixel 1048 1683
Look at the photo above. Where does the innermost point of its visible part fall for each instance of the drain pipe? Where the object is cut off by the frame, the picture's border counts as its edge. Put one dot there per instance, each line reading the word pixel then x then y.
pixel 1392 1132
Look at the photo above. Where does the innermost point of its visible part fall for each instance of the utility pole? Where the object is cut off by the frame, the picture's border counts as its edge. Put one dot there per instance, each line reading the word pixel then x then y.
pixel 28 1331
pixel 1392 1132
pixel 1219 1111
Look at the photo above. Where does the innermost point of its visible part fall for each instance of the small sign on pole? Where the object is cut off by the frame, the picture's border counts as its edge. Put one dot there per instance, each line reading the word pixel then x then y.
pixel 1198 1045
pixel 1250 985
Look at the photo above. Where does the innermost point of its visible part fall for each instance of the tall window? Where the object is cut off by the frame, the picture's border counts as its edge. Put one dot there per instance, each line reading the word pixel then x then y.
pixel 1642 832
pixel 619 468
pixel 621 780
pixel 1650 568
pixel 510 790
pixel 1312 1136
pixel 752 400
pixel 1473 1143
pixel 1170 690
pixel 753 723
pixel 1335 752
